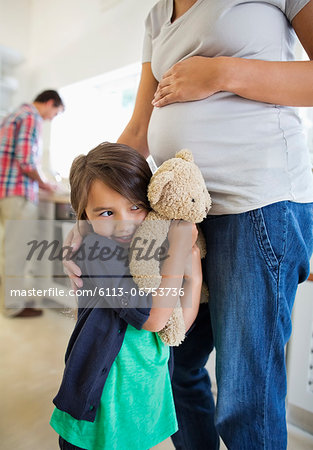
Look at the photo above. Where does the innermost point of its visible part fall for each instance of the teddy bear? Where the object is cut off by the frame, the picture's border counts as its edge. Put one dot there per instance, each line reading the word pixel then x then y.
pixel 176 191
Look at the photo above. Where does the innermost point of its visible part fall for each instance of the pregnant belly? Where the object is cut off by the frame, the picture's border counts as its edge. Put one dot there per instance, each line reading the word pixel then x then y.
pixel 209 128
pixel 176 126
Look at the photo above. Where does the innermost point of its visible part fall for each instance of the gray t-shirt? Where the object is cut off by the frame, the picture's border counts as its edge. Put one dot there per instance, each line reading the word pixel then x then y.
pixel 251 153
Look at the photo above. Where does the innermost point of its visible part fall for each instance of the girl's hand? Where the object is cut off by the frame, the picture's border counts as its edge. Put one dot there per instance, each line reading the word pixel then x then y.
pixel 73 240
pixel 192 79
pixel 183 232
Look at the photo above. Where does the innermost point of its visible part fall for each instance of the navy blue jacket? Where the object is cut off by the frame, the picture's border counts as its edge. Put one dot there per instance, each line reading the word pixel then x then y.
pixel 101 325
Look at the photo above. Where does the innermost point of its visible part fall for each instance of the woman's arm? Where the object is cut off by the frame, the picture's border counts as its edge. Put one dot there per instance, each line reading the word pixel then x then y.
pixel 284 82
pixel 135 133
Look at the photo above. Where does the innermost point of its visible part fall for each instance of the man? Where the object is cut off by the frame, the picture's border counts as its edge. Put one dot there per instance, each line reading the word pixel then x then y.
pixel 20 179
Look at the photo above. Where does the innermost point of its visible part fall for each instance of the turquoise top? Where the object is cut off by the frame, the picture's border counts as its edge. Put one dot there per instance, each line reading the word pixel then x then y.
pixel 136 410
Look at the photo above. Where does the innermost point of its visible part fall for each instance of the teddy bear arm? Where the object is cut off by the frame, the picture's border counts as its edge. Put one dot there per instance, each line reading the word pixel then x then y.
pixel 174 331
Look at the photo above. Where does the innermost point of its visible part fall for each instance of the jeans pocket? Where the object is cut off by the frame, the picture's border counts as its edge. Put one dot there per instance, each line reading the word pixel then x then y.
pixel 270 227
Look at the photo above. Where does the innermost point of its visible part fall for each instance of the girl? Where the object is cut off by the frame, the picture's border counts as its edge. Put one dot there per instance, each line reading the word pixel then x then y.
pixel 116 392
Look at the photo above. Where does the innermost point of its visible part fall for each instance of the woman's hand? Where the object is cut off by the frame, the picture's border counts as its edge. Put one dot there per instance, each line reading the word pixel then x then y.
pixel 73 240
pixel 192 79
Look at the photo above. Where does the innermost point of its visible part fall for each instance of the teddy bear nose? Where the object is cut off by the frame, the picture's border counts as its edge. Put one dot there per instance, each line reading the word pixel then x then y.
pixel 193 200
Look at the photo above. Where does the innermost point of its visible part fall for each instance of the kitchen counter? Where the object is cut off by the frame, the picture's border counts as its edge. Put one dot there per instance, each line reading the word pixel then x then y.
pixel 55 206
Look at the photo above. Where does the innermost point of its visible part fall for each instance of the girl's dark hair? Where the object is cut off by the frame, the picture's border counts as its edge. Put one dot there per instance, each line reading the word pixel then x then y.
pixel 118 166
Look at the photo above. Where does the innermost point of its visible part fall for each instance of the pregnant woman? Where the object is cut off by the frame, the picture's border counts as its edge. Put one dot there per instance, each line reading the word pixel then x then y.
pixel 218 77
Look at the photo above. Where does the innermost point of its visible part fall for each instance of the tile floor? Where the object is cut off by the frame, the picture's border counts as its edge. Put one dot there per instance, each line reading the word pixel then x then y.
pixel 32 352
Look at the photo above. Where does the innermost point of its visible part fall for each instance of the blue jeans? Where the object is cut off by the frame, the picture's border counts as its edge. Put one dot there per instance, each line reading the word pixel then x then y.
pixel 253 265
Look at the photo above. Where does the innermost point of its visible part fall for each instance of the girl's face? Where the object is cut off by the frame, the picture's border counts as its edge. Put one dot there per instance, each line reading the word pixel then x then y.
pixel 112 215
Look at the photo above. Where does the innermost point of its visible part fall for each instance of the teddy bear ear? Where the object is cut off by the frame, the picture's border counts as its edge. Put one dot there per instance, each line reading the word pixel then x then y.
pixel 157 184
pixel 185 154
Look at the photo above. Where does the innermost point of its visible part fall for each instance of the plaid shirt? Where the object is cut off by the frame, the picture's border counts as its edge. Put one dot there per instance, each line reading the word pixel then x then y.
pixel 19 152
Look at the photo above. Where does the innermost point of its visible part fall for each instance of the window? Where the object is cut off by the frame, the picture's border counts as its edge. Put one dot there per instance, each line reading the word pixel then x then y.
pixel 96 110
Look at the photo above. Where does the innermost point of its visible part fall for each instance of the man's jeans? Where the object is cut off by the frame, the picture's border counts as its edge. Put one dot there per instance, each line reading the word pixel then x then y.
pixel 18 211
pixel 253 265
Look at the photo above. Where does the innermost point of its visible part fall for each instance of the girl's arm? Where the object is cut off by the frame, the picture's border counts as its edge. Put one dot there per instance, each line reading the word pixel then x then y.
pixel 182 237
pixel 190 301
pixel 135 133
pixel 283 82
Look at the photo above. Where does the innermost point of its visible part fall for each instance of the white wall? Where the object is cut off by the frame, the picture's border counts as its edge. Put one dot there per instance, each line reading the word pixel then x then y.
pixel 15 24
pixel 64 41
pixel 14 34
pixel 71 40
